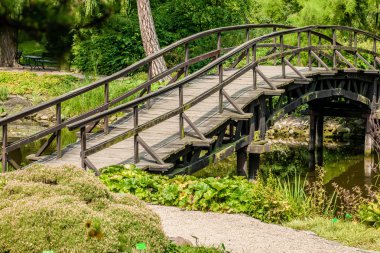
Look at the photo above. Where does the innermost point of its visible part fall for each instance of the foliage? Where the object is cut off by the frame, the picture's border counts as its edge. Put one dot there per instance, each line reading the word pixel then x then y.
pixel 69 210
pixel 39 88
pixel 369 213
pixel 266 201
pixel 3 93
pixel 123 46
pixel 346 232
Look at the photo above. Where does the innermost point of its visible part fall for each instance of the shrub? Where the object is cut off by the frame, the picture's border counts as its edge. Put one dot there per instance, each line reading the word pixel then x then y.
pixel 263 200
pixel 108 48
pixel 66 209
pixel 369 213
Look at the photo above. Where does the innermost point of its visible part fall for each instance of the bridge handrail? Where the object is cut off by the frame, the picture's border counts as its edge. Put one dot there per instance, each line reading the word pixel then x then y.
pixel 222 83
pixel 205 69
pixel 131 68
pixel 105 82
pixel 86 118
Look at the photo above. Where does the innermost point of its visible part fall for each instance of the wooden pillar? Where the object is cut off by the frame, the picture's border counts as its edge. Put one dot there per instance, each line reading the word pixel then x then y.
pixel 312 134
pixel 241 160
pixel 368 142
pixel 253 165
pixel 262 123
pixel 319 140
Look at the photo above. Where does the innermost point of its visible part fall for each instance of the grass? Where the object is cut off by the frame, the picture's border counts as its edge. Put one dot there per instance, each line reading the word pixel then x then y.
pixel 348 233
pixel 31 47
pixel 39 88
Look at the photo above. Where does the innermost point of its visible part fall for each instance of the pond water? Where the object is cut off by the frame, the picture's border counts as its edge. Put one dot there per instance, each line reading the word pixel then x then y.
pixel 344 164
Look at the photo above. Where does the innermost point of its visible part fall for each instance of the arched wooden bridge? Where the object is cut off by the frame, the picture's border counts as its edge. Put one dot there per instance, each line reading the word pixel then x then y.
pixel 217 100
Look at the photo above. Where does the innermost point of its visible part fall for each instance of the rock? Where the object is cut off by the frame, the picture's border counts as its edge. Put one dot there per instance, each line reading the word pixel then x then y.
pixel 44 117
pixel 3 114
pixel 45 123
pixel 180 241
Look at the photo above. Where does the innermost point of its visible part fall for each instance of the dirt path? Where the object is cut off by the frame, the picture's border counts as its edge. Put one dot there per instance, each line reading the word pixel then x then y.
pixel 241 233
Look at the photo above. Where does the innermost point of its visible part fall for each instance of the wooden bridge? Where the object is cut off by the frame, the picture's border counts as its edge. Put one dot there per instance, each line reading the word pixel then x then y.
pixel 217 100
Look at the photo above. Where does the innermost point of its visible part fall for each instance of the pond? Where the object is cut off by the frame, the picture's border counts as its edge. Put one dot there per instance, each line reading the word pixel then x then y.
pixel 344 163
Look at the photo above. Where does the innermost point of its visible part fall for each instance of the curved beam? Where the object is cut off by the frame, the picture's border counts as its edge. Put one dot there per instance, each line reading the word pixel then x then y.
pixel 311 96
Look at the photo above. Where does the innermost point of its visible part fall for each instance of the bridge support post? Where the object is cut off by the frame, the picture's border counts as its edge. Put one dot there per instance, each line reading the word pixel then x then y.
pixel 312 134
pixel 241 160
pixel 368 142
pixel 253 165
pixel 319 140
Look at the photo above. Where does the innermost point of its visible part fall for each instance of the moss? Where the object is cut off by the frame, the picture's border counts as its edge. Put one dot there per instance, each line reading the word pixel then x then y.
pixel 65 209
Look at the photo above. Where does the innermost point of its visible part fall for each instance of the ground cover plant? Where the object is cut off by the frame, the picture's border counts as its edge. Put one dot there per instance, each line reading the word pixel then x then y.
pixel 66 209
pixel 269 200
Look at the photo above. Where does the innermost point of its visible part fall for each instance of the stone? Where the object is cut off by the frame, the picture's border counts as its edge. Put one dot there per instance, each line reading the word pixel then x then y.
pixel 180 241
pixel 3 114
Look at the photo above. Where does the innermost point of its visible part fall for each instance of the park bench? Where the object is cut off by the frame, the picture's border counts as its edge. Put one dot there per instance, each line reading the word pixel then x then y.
pixel 34 61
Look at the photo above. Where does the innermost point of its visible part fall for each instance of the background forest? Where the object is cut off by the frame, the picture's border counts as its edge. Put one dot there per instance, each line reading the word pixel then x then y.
pixel 103 36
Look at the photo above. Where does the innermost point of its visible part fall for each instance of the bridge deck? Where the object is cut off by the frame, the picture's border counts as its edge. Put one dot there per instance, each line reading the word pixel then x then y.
pixel 164 137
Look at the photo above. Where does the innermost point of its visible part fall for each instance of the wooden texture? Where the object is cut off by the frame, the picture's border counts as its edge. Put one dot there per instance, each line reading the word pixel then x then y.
pixel 164 138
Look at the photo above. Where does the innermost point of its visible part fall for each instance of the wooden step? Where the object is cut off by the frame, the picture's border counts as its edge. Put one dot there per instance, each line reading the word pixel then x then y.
pixel 154 166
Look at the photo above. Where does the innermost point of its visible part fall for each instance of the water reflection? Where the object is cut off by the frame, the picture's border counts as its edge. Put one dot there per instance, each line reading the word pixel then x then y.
pixel 344 164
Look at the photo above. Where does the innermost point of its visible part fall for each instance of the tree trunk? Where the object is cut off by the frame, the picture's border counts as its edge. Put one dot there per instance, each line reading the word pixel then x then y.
pixel 8 46
pixel 149 36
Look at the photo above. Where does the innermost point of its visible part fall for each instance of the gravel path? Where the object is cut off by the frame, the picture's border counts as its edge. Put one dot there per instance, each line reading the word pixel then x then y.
pixel 240 233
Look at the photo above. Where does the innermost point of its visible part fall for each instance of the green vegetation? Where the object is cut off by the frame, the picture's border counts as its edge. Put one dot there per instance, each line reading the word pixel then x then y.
pixel 70 210
pixel 347 232
pixel 39 88
pixel 269 200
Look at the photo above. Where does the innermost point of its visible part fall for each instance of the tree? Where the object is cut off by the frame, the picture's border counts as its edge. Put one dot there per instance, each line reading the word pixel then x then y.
pixel 149 36
pixel 54 20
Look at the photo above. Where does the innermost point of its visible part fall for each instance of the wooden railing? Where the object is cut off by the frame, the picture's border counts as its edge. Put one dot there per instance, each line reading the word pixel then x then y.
pixel 173 72
pixel 327 48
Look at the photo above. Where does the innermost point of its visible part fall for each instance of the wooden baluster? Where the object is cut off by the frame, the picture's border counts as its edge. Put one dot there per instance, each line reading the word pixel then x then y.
pixel 186 59
pixel 356 49
pixel 282 57
pixel 106 101
pixel 58 116
pixel 148 104
pixel 181 127
pixel 4 148
pixel 375 51
pixel 275 48
pixel 219 44
pixel 83 146
pixel 136 157
pixel 220 73
pixel 247 39
pixel 220 70
pixel 309 51
pixel 334 50
pixel 319 52
pixel 254 68
pixel 299 45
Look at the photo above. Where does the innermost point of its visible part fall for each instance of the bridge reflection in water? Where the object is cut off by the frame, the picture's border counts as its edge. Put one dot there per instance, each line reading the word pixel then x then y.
pixel 202 117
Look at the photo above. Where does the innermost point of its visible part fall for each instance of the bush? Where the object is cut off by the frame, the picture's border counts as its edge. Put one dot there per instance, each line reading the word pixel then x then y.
pixel 66 209
pixel 369 213
pixel 108 48
pixel 267 201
